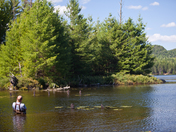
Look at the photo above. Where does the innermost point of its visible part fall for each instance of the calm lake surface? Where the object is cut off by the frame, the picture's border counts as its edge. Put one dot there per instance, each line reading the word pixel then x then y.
pixel 140 108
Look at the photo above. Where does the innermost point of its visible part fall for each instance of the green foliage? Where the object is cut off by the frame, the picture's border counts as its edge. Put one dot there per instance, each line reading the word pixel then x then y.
pixel 161 52
pixel 121 48
pixel 123 78
pixel 5 17
pixel 91 81
pixel 16 8
pixel 165 62
pixel 136 51
pixel 164 66
pixel 79 32
pixel 10 54
pixel 4 83
pixel 97 80
pixel 37 40
pixel 27 83
pixel 40 45
pixel 9 11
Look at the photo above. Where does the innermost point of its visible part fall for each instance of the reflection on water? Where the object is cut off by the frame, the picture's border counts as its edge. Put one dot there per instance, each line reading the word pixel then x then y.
pixel 19 122
pixel 135 108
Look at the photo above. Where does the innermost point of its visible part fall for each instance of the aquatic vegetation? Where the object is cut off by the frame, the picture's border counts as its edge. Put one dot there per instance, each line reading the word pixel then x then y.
pixel 117 109
pixel 87 95
pixel 84 108
pixel 99 107
pixel 59 107
pixel 126 106
pixel 77 95
pixel 95 107
pixel 106 107
pixel 110 107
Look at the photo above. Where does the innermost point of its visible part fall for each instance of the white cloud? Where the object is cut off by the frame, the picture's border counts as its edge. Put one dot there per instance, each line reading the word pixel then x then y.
pixel 55 1
pixel 172 24
pixel 154 4
pixel 83 7
pixel 61 9
pixel 145 8
pixel 158 37
pixel 134 7
pixel 85 1
pixel 148 28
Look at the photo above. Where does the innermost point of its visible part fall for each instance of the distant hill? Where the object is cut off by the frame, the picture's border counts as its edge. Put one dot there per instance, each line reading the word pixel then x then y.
pixel 161 52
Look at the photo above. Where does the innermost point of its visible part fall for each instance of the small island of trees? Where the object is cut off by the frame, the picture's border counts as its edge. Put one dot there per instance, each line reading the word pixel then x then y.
pixel 41 48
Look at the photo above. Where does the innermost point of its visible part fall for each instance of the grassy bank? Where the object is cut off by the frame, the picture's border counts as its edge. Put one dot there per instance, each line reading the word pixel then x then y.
pixel 115 79
pixel 127 79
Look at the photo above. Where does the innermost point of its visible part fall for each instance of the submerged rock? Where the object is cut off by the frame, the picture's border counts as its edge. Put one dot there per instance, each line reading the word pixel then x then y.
pixel 102 107
pixel 72 106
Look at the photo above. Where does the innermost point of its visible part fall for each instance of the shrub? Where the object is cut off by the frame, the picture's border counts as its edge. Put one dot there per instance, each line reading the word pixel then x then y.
pixel 4 83
pixel 122 78
pixel 28 83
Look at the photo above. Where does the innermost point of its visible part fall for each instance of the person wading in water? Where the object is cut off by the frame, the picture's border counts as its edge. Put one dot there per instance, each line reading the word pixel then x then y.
pixel 18 107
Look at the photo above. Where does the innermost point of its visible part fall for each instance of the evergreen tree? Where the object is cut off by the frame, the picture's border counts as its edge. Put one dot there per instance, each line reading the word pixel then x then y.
pixel 79 30
pixel 43 43
pixel 95 48
pixel 107 62
pixel 16 8
pixel 9 10
pixel 5 17
pixel 26 4
pixel 10 54
pixel 137 58
pixel 39 44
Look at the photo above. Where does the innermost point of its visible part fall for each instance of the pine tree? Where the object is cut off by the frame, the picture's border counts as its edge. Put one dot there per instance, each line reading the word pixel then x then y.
pixel 26 4
pixel 5 17
pixel 39 44
pixel 79 32
pixel 136 52
pixel 107 62
pixel 16 8
pixel 10 54
pixel 95 50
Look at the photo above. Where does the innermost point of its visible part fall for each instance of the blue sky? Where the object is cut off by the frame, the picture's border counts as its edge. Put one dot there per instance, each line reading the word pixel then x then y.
pixel 159 16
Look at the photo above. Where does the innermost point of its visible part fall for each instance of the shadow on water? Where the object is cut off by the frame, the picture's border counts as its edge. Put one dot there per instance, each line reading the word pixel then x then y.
pixel 126 108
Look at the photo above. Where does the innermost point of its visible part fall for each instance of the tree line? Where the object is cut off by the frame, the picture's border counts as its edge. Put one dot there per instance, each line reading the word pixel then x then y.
pixel 165 61
pixel 39 43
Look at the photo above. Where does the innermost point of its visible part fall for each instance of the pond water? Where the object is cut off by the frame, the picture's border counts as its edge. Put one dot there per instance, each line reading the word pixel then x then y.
pixel 167 78
pixel 137 108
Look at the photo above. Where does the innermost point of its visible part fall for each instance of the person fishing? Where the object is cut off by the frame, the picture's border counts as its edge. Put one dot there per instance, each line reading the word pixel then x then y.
pixel 18 107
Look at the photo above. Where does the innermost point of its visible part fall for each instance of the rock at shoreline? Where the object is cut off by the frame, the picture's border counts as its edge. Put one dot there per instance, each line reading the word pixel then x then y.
pixel 163 80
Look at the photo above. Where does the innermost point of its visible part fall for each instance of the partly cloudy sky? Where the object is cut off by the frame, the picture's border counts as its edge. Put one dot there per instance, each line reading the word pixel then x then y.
pixel 158 15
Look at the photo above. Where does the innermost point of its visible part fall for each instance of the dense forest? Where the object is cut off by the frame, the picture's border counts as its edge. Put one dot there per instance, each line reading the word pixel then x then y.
pixel 39 44
pixel 165 61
